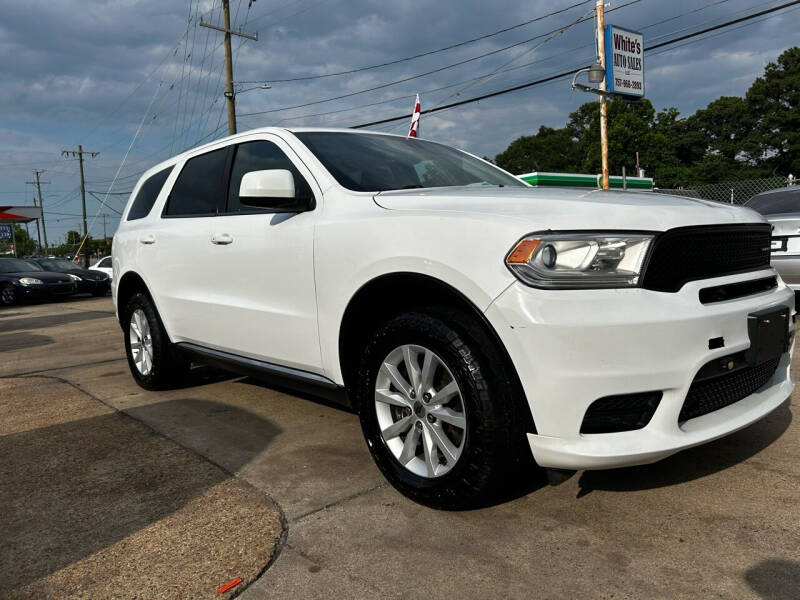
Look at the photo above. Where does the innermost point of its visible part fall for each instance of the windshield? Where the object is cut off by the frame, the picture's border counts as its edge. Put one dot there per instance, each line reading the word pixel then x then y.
pixel 54 264
pixel 14 265
pixel 374 163
pixel 775 203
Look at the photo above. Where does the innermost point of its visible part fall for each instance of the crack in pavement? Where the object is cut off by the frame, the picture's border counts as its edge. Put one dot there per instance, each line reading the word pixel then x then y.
pixel 42 371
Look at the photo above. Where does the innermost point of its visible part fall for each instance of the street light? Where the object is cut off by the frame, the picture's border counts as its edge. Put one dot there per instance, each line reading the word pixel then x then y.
pixel 238 89
pixel 596 73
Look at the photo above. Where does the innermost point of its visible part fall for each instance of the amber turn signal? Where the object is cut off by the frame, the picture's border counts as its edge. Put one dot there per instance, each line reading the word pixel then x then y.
pixel 523 251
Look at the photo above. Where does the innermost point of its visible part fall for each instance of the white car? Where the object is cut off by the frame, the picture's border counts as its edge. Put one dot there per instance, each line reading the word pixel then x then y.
pixel 104 265
pixel 469 318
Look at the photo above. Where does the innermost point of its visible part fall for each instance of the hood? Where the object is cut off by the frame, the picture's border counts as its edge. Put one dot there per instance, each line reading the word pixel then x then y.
pixel 45 276
pixel 554 208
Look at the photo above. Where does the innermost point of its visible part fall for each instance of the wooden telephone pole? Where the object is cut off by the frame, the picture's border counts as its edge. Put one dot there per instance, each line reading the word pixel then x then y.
pixel 601 57
pixel 79 153
pixel 226 29
pixel 38 183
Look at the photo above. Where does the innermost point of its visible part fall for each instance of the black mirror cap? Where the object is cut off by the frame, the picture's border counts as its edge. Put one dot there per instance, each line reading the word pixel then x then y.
pixel 280 205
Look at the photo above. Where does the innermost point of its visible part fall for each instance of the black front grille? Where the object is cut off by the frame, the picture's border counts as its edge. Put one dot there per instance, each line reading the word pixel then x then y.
pixel 691 253
pixel 708 395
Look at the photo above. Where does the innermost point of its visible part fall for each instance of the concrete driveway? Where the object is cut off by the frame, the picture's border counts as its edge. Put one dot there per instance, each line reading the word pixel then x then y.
pixel 718 521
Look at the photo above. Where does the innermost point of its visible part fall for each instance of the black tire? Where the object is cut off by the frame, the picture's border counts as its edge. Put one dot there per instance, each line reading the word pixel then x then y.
pixel 169 369
pixel 494 447
pixel 8 294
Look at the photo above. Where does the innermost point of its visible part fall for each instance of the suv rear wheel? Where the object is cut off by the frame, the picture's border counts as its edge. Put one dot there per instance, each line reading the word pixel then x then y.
pixel 154 362
pixel 434 421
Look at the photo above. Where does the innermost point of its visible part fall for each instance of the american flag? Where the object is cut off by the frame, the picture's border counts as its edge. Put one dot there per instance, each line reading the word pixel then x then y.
pixel 413 131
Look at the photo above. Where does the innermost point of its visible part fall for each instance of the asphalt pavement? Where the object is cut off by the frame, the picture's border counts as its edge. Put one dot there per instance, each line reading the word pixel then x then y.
pixel 281 489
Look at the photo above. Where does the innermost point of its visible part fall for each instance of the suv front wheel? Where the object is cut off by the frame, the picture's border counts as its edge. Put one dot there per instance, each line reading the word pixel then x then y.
pixel 433 417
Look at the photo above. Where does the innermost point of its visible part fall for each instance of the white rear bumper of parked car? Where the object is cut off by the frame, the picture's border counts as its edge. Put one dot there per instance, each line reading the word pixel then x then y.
pixel 572 347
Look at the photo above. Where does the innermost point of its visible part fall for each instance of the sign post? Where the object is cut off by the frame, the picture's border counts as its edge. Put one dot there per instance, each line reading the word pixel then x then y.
pixel 624 61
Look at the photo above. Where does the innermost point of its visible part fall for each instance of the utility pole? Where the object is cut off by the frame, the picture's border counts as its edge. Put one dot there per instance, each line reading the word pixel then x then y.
pixel 105 237
pixel 79 153
pixel 226 29
pixel 38 183
pixel 601 57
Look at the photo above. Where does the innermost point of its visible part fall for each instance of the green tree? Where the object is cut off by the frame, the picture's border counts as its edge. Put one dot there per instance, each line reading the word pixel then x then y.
pixel 725 125
pixel 774 99
pixel 548 150
pixel 731 138
pixel 24 244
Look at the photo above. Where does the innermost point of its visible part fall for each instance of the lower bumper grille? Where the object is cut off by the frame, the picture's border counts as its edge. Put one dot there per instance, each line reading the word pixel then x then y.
pixel 625 412
pixel 707 395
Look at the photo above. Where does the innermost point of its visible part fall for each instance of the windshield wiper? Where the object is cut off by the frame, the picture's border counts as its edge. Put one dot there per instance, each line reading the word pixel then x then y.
pixel 412 186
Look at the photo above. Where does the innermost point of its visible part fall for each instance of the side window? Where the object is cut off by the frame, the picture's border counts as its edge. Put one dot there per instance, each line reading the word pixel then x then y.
pixel 260 156
pixel 199 188
pixel 147 195
pixel 105 263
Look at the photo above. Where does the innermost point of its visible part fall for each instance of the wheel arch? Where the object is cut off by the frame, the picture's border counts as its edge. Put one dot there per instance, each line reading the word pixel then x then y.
pixel 129 284
pixel 389 294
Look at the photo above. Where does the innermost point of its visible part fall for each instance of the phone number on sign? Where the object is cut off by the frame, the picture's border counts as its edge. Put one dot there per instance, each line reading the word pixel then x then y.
pixel 627 84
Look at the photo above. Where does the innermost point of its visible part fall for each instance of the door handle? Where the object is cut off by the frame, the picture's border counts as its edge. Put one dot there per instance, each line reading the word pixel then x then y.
pixel 147 238
pixel 221 239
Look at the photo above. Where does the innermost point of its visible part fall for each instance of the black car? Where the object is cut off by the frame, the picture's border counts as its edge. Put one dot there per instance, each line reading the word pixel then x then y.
pixel 26 280
pixel 96 283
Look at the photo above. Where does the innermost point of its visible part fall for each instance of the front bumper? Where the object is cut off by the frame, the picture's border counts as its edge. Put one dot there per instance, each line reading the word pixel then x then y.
pixel 571 347
pixel 88 286
pixel 47 291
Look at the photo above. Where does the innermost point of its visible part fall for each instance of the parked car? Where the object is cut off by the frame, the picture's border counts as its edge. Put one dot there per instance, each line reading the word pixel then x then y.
pixel 781 207
pixel 469 318
pixel 25 280
pixel 104 265
pixel 86 281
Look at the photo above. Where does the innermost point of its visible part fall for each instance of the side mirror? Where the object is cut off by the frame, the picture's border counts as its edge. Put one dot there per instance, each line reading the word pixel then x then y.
pixel 272 189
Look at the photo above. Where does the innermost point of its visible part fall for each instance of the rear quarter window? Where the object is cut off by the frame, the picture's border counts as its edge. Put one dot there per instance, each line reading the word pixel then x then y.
pixel 147 194
pixel 198 190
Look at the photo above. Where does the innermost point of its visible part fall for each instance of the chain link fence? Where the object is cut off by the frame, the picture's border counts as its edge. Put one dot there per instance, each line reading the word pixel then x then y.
pixel 731 192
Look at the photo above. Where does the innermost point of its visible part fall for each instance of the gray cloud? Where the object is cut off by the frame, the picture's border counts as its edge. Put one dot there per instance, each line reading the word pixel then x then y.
pixel 85 72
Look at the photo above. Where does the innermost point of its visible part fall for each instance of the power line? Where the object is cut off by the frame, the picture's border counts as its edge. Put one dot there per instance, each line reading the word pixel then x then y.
pixel 573 71
pixel 428 53
pixel 419 75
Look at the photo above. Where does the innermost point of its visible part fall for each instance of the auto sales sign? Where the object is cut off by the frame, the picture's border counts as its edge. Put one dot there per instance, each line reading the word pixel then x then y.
pixel 624 61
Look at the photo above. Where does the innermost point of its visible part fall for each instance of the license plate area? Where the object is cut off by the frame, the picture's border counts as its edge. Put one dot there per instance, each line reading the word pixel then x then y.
pixel 769 334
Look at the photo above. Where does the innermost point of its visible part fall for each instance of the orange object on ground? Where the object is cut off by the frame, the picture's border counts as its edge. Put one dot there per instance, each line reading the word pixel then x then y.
pixel 230 585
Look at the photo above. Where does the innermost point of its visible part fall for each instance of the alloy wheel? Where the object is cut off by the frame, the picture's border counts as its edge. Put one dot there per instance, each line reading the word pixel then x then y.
pixel 420 410
pixel 141 342
pixel 7 295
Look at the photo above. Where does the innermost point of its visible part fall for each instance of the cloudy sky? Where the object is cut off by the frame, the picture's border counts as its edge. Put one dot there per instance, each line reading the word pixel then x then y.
pixel 96 73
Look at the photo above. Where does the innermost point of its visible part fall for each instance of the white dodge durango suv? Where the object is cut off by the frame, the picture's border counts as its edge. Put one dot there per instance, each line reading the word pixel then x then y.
pixel 468 318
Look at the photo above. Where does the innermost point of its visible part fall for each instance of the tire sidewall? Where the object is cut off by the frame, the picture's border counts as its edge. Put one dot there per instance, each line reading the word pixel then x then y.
pixel 158 374
pixel 473 466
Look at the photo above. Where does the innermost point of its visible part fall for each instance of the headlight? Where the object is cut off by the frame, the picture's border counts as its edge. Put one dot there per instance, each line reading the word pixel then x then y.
pixel 579 260
pixel 74 277
pixel 30 281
